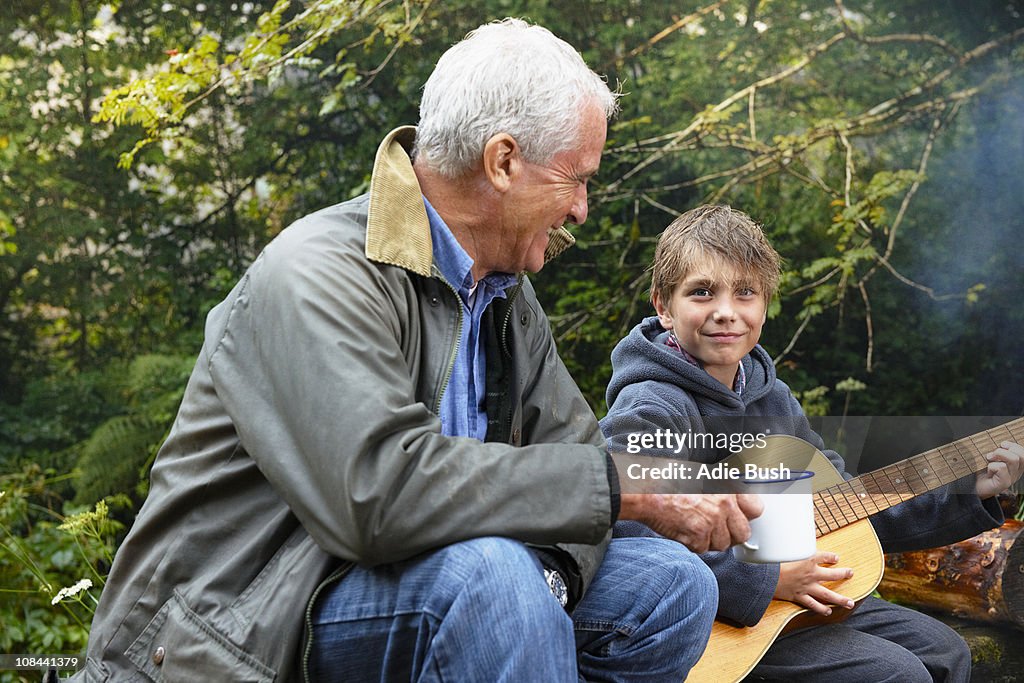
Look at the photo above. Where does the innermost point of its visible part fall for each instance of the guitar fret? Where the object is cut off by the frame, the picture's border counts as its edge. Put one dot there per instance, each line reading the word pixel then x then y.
pixel 947 460
pixel 903 482
pixel 915 482
pixel 927 471
pixel 877 488
pixel 820 523
pixel 983 437
pixel 959 466
pixel 852 491
pixel 841 493
pixel 976 457
pixel 979 457
pixel 1017 436
pixel 839 508
pixel 830 507
pixel 820 528
pixel 826 514
pixel 897 484
pixel 862 496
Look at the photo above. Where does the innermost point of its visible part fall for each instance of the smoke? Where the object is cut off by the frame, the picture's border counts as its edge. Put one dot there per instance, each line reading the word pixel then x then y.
pixel 969 231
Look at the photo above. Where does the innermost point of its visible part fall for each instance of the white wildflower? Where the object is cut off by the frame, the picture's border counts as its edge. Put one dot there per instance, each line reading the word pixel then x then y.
pixel 70 591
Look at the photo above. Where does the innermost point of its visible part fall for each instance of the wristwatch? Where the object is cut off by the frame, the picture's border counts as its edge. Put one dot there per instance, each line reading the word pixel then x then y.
pixel 557 585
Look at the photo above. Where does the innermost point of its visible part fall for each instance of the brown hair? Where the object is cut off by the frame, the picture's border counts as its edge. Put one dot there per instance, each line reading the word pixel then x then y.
pixel 714 232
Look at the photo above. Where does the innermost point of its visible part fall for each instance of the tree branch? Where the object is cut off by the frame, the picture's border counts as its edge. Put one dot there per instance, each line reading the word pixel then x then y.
pixel 892 37
pixel 868 324
pixel 665 33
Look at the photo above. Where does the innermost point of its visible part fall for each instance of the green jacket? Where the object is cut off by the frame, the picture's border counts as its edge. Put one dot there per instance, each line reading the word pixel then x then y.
pixel 308 440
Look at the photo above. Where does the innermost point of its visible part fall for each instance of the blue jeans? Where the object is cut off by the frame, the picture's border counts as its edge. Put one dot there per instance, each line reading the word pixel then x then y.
pixel 480 610
pixel 879 642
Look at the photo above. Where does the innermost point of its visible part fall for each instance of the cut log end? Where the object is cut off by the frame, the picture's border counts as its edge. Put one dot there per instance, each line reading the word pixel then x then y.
pixel 981 578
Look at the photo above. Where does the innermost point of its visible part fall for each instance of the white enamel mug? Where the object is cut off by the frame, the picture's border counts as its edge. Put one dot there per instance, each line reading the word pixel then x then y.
pixel 785 530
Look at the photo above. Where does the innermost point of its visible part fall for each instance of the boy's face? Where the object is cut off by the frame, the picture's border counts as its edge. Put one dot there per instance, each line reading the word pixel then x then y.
pixel 717 315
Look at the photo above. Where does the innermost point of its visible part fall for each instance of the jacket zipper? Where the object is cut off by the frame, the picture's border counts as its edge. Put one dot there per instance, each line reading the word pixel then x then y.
pixel 508 316
pixel 455 347
pixel 504 346
pixel 336 575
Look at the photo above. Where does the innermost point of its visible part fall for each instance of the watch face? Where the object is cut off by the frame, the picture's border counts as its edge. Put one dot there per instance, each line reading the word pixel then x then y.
pixel 557 585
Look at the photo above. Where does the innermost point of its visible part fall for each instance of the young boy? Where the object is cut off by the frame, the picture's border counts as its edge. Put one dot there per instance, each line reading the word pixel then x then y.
pixel 697 367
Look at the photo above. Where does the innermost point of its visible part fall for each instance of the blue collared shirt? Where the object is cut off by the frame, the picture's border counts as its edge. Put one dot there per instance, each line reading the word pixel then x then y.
pixel 462 411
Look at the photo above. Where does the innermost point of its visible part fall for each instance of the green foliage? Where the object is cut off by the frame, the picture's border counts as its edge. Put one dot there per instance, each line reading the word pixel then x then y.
pixel 116 457
pixel 52 567
pixel 284 39
pixel 56 411
pixel 813 401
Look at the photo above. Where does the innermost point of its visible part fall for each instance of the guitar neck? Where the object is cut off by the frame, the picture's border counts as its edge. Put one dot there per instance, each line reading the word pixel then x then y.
pixel 859 498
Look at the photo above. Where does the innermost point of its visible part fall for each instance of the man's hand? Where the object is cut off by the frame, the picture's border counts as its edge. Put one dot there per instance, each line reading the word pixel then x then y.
pixel 1005 465
pixel 800 583
pixel 700 521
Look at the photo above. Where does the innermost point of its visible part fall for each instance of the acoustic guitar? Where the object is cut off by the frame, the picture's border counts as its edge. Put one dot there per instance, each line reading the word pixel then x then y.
pixel 841 511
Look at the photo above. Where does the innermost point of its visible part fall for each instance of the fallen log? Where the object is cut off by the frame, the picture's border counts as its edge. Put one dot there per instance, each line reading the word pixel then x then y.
pixel 981 578
pixel 996 654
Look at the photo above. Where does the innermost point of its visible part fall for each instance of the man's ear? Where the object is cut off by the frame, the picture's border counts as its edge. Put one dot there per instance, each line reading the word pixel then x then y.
pixel 502 161
pixel 664 316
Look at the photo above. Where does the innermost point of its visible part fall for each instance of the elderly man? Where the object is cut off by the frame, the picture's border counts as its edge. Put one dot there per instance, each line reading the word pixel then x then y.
pixel 380 468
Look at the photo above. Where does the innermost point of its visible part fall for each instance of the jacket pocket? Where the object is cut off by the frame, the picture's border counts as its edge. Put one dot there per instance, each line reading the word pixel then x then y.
pixel 177 645
pixel 92 672
pixel 265 589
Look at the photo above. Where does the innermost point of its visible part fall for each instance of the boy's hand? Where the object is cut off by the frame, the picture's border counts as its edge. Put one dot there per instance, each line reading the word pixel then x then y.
pixel 700 521
pixel 1005 465
pixel 800 583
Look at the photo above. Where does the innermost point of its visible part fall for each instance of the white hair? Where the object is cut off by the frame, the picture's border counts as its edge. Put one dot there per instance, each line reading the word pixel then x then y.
pixel 506 77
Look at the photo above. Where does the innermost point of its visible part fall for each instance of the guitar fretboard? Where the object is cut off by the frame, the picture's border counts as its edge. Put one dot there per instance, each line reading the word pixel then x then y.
pixel 859 498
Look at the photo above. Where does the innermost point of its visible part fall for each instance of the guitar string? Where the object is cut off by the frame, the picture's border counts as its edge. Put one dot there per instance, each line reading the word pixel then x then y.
pixel 860 496
pixel 820 508
pixel 895 485
pixel 880 485
pixel 893 488
pixel 829 516
pixel 847 488
pixel 931 478
pixel 979 457
pixel 836 507
pixel 839 494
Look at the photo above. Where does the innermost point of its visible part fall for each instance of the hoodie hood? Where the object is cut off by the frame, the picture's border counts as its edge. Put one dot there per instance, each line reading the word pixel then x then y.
pixel 642 356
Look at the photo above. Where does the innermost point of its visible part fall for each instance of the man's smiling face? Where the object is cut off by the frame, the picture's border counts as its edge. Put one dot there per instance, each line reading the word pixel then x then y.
pixel 544 197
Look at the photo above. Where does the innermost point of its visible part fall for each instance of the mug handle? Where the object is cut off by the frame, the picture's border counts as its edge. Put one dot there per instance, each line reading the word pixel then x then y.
pixel 751 546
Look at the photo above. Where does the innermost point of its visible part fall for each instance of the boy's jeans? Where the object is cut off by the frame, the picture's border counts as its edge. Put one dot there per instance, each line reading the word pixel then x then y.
pixel 480 610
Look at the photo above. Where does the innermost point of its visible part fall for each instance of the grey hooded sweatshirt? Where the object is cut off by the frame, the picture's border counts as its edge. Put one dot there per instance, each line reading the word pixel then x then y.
pixel 653 387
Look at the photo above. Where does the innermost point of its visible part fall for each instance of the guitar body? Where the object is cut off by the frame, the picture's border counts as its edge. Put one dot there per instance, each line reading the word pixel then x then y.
pixel 733 651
